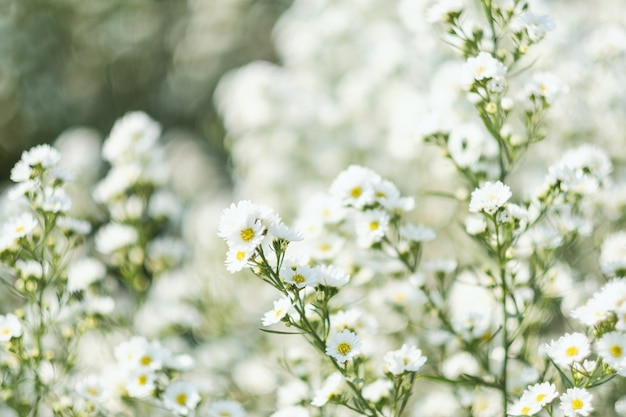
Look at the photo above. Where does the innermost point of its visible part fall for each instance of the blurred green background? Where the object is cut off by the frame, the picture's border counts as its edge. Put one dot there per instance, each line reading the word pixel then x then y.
pixel 66 63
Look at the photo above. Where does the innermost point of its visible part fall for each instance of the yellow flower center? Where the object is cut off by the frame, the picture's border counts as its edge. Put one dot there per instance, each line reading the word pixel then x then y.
pixel 616 351
pixel 525 410
pixel 19 229
pixel 146 360
pixel 577 404
pixel 540 397
pixel 324 247
pixel 373 225
pixel 6 331
pixel 181 398
pixel 344 348
pixel 224 414
pixel 142 380
pixel 356 192
pixel 298 278
pixel 571 351
pixel 240 256
pixel 247 234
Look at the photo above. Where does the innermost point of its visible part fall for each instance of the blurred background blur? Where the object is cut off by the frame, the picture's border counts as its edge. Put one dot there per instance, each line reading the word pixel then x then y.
pixel 68 63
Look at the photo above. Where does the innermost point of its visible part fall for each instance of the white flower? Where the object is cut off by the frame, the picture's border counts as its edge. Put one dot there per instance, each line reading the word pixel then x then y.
pixel 19 226
pixel 371 227
pixel 406 359
pixel 71 224
pixel 281 308
pixel 490 197
pixel 84 272
pixel 181 397
pixel 417 233
pixel 44 155
pixel 377 390
pixel 613 254
pixel 387 195
pixel 535 25
pixel 523 407
pixel 300 275
pixel 441 10
pixel 114 236
pixel 540 394
pixel 467 143
pixel 237 259
pixel 139 383
pixel 355 186
pixel 475 225
pixel 332 386
pixel 546 85
pixel 117 181
pixel 10 327
pixel 56 200
pixel 612 349
pixel 225 408
pixel 133 135
pixel 575 402
pixel 570 348
pixel 244 224
pixel 93 388
pixel 29 268
pixel 482 67
pixel 333 276
pixel 281 231
pixel 21 172
pixel 343 346
pixel 139 353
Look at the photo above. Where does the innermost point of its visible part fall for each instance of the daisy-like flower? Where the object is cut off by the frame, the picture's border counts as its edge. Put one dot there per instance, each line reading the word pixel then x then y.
pixel 546 85
pixel 43 155
pixel 281 231
pixel 386 194
pixel 613 254
pixel 114 236
pixel 523 407
pixel 226 408
pixel 181 397
pixel 132 135
pixel 139 353
pixel 332 386
pixel 19 226
pixel 244 224
pixel 10 327
pixel 406 359
pixel 237 259
pixel 343 346
pixel 536 26
pixel 539 395
pixel 55 200
pixel 21 172
pixel 489 198
pixel 417 233
pixel 482 67
pixel 84 272
pixel 570 348
pixel 333 276
pixel 466 144
pixel 443 9
pixel 355 186
pixel 281 308
pixel 74 225
pixel 612 349
pixel 371 227
pixel 140 383
pixel 93 388
pixel 576 402
pixel 300 275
